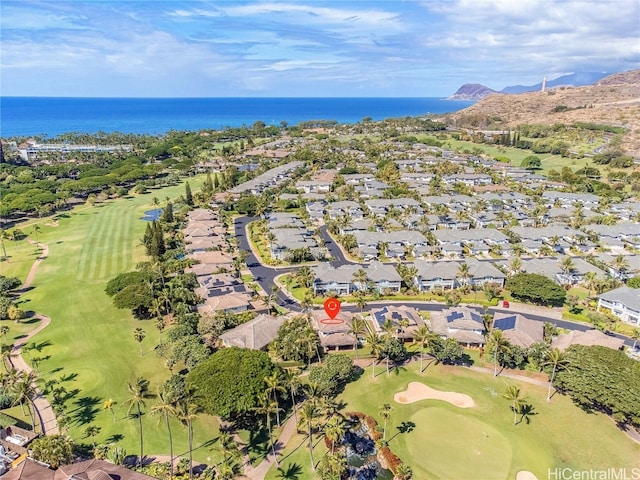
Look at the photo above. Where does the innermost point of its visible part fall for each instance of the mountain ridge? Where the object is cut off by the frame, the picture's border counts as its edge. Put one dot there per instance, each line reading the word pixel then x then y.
pixel 476 91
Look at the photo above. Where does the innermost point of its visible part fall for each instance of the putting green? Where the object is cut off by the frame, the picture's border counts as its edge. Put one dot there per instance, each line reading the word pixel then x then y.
pixel 455 446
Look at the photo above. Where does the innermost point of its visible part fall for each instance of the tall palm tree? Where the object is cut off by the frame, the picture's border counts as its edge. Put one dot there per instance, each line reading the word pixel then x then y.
pixel 36 229
pixel 139 391
pixel 620 264
pixel 566 265
pixel 24 391
pixel 6 350
pixel 558 360
pixel 376 345
pixel 464 273
pixel 4 235
pixel 500 345
pixel 165 407
pixel 360 278
pixel 512 393
pixel 334 430
pixel 385 414
pixel 273 387
pixel 358 328
pixel 361 300
pixel 590 281
pixel 108 405
pixel 267 407
pixel 292 382
pixel 421 336
pixel 187 412
pixel 308 413
pixel 139 334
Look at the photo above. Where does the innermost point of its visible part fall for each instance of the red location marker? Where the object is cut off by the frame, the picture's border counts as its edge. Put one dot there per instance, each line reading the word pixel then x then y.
pixel 332 307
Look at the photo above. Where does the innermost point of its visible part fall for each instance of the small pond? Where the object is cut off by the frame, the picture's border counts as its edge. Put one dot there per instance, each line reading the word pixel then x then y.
pixel 362 454
pixel 152 215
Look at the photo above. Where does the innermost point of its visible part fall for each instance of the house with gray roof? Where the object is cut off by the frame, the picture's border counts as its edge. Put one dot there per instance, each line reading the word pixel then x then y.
pixel 588 338
pixel 623 302
pixel 461 323
pixel 380 276
pixel 405 320
pixel 551 268
pixel 333 333
pixel 517 329
pixel 255 334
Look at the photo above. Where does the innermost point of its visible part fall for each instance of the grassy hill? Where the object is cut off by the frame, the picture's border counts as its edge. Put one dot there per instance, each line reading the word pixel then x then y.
pixel 615 100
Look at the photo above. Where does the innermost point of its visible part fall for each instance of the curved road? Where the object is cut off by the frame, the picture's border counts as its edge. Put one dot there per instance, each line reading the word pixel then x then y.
pixel 265 276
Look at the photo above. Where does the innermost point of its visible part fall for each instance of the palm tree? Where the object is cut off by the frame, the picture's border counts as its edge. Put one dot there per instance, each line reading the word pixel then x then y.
pixel 308 413
pixel 6 350
pixel 139 334
pixel 566 265
pixel 357 329
pixel 404 472
pixel 292 381
pixel 108 405
pixel 464 273
pixel 334 430
pixel 360 279
pixel 512 394
pixel 24 391
pixel 274 385
pixel 139 391
pixel 187 412
pixel 376 345
pixel 590 281
pixel 166 408
pixel 620 265
pixel 266 408
pixel 4 235
pixel 500 345
pixel 421 336
pixel 361 300
pixel 385 414
pixel 36 229
pixel 558 360
pixel 92 431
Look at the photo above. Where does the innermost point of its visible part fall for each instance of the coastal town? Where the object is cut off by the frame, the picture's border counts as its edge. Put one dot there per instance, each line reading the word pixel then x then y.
pixel 435 254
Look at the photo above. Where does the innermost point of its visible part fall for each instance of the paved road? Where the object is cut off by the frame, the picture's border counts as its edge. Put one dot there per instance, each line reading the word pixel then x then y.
pixel 335 251
pixel 265 276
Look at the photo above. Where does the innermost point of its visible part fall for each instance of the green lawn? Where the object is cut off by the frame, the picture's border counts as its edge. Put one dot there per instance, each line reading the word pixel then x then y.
pixel 89 345
pixel 447 442
pixel 482 442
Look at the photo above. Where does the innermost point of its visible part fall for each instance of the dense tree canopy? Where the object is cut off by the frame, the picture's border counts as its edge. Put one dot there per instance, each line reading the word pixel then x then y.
pixel 536 288
pixel 602 379
pixel 333 374
pixel 231 382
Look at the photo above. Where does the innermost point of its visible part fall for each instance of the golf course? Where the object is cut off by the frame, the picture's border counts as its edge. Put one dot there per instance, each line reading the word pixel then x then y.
pixel 89 346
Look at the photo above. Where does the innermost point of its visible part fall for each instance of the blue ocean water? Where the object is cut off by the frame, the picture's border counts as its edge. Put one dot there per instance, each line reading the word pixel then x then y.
pixel 51 116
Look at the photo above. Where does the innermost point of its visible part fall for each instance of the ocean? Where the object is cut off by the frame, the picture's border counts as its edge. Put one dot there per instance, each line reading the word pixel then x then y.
pixel 52 116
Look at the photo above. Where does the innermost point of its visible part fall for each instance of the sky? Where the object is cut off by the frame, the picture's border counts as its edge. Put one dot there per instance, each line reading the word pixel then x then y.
pixel 306 48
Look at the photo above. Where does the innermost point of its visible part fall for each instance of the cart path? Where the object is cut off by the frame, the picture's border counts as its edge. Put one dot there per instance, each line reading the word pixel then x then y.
pixel 43 410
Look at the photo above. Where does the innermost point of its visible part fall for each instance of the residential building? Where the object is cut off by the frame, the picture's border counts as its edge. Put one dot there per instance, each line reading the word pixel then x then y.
pixel 623 302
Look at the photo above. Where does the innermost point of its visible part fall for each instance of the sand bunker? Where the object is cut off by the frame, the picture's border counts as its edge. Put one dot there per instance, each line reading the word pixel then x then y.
pixel 419 391
pixel 525 475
